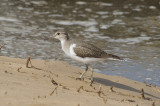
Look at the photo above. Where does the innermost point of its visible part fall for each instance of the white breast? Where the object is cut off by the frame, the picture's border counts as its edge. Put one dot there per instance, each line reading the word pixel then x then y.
pixel 71 49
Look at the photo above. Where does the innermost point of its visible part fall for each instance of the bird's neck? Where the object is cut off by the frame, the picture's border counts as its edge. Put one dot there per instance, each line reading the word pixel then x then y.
pixel 64 43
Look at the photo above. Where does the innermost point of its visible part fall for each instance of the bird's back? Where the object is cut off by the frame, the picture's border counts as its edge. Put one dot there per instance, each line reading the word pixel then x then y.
pixel 83 49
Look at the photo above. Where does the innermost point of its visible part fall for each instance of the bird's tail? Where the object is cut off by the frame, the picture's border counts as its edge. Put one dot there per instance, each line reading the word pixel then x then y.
pixel 113 57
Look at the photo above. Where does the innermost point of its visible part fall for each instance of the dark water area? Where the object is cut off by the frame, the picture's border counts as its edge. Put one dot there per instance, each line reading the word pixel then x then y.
pixel 127 28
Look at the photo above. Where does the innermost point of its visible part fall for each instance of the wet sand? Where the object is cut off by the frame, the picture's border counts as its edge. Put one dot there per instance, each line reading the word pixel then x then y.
pixel 53 83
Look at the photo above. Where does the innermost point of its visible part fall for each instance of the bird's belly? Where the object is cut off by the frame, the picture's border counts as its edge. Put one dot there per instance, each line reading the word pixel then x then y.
pixel 86 60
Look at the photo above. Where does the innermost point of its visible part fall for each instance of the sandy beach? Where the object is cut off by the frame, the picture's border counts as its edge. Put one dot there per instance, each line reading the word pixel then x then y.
pixel 53 83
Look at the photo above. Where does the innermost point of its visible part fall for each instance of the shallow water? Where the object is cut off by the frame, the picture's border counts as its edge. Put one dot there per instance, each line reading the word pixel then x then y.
pixel 127 28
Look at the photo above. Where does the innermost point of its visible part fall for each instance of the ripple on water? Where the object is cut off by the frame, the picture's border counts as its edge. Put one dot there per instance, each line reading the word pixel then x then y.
pixel 8 19
pixel 117 21
pixel 39 3
pixel 149 69
pixel 81 23
pixel 105 4
pixel 131 40
pixel 117 12
pixel 102 12
pixel 105 26
pixel 81 2
pixel 92 29
pixel 148 78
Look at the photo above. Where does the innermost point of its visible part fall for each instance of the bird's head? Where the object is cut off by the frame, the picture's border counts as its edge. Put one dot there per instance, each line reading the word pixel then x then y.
pixel 61 35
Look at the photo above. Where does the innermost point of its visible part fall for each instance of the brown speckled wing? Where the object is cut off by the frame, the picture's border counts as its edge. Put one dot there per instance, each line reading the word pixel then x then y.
pixel 88 50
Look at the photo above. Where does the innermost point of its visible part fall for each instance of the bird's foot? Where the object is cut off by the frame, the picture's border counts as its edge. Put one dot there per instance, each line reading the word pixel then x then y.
pixel 91 80
pixel 80 79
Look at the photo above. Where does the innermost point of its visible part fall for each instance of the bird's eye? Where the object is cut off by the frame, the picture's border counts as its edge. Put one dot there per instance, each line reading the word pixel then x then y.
pixel 58 33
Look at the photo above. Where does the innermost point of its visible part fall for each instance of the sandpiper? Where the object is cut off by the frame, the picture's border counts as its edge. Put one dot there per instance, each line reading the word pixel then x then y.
pixel 82 51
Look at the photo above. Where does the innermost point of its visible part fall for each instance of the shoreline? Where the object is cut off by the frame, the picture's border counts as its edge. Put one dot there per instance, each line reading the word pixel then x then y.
pixel 54 83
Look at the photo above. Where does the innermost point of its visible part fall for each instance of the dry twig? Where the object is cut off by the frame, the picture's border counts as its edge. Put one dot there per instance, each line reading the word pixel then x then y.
pixel 64 87
pixel 153 104
pixel 81 87
pixel 7 72
pixel 53 90
pixel 100 91
pixel 130 100
pixel 19 69
pixel 54 82
pixel 142 93
pixel 29 61
pixel 111 88
pixel 2 46
pixel 105 100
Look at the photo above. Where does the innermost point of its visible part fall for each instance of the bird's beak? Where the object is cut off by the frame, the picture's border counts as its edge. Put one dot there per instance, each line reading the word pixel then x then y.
pixel 53 36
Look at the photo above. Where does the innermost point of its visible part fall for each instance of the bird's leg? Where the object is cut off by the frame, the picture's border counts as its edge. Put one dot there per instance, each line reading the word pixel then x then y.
pixel 81 76
pixel 91 74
